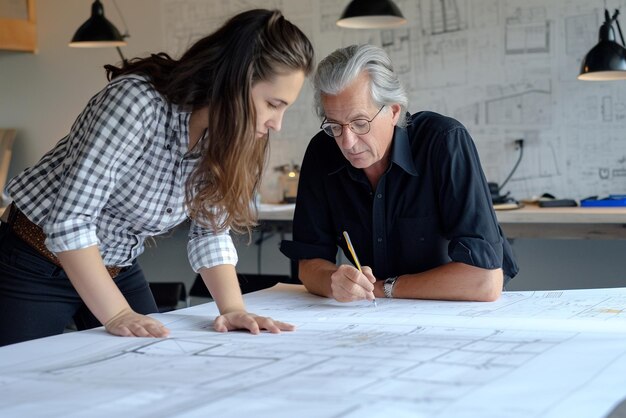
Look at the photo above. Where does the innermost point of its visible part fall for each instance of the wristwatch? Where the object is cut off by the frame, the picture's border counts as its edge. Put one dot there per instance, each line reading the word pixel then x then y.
pixel 389 285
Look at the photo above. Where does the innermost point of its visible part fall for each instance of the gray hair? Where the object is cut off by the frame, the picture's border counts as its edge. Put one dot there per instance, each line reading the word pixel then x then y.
pixel 340 68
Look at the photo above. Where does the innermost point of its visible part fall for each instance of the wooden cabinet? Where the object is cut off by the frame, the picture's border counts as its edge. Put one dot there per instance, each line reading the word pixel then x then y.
pixel 17 25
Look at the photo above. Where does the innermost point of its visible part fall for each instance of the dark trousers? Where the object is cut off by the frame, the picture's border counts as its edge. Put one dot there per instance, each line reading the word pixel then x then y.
pixel 38 300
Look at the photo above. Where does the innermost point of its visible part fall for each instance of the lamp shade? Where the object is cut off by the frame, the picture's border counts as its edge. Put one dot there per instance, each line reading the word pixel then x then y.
pixel 97 31
pixel 607 60
pixel 371 14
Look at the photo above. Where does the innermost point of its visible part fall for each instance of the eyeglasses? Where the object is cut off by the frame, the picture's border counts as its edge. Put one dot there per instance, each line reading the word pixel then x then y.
pixel 358 126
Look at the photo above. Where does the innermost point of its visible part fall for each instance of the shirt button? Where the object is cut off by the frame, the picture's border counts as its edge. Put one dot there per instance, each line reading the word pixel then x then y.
pixel 379 195
pixel 380 240
pixel 169 210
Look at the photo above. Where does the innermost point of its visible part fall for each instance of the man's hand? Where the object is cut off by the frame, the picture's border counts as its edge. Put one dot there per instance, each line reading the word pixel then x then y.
pixel 128 323
pixel 348 284
pixel 244 320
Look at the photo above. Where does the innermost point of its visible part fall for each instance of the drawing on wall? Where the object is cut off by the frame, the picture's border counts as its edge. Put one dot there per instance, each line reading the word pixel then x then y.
pixel 497 66
pixel 443 16
pixel 444 62
pixel 527 31
pixel 330 10
pixel 524 103
pixel 580 36
pixel 485 14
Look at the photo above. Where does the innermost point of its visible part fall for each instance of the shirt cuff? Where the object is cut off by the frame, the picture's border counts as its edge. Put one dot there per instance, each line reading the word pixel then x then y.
pixel 210 251
pixel 476 252
pixel 70 235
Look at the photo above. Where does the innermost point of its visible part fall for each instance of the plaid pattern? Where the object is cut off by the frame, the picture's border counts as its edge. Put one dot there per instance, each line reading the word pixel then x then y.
pixel 118 178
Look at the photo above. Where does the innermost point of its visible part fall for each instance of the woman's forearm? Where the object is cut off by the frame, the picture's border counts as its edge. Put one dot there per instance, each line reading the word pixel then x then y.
pixel 89 276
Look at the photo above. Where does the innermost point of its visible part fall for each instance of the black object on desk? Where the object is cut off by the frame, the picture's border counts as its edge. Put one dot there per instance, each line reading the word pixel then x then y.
pixel 557 203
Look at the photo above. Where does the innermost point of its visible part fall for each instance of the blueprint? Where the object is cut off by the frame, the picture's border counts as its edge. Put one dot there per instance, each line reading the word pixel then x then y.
pixel 529 354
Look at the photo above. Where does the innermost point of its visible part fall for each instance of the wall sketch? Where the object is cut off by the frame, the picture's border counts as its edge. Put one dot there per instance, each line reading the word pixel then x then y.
pixel 505 68
pixel 527 31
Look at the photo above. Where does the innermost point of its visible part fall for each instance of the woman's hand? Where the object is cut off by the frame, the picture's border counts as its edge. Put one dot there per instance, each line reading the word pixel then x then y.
pixel 244 320
pixel 128 323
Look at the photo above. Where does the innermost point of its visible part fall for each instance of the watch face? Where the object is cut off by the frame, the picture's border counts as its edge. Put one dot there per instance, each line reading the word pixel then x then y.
pixel 388 286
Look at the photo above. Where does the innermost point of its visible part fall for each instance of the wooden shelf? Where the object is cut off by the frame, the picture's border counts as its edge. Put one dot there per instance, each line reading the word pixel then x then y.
pixel 17 33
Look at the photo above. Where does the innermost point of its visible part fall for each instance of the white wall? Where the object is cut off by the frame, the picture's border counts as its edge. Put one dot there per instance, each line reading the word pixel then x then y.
pixel 41 94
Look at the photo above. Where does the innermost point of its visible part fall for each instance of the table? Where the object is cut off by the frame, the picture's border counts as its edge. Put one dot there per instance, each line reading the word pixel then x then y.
pixel 531 221
pixel 541 354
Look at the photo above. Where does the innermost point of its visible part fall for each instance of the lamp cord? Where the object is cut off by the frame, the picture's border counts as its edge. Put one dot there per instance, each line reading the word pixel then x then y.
pixel 119 12
pixel 125 34
pixel 119 51
pixel 619 29
pixel 520 143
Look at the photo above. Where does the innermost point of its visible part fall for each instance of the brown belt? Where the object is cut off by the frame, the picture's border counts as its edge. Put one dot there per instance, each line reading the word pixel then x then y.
pixel 33 235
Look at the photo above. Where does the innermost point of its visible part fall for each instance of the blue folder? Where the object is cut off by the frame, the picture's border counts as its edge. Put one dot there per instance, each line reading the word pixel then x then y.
pixel 611 200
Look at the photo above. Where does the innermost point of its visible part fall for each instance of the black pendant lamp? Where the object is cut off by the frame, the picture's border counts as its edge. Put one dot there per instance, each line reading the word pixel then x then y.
pixel 606 60
pixel 371 14
pixel 98 32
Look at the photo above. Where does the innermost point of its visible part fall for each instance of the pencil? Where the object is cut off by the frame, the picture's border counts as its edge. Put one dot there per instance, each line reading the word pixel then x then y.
pixel 354 257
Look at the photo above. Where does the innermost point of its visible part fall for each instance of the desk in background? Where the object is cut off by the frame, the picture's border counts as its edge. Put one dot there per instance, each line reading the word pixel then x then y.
pixel 530 221
pixel 556 248
pixel 529 354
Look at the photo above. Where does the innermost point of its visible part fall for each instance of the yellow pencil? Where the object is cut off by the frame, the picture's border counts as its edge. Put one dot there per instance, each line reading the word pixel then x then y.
pixel 354 257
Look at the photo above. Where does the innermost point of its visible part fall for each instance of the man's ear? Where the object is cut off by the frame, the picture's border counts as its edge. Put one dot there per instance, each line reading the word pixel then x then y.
pixel 395 112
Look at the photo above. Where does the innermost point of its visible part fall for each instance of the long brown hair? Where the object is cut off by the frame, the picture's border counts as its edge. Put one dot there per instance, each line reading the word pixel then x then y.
pixel 218 72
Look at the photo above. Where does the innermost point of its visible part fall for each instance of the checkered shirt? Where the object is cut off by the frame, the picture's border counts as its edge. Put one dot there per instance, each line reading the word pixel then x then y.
pixel 118 178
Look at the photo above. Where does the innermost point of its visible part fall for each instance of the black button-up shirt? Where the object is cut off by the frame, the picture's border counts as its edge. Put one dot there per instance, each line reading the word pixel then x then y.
pixel 430 207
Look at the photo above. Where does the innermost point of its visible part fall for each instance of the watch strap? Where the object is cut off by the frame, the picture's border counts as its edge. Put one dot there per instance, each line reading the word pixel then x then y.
pixel 388 286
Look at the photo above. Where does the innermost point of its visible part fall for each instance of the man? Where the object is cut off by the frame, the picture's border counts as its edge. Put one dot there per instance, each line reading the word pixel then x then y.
pixel 408 189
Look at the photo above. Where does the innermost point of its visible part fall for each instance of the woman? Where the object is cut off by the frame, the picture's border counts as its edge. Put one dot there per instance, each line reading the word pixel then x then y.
pixel 164 140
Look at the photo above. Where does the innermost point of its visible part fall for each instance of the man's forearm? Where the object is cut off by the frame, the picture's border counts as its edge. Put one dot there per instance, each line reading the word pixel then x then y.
pixel 452 281
pixel 315 275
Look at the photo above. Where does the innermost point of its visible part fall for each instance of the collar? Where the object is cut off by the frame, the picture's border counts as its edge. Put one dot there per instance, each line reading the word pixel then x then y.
pixel 401 155
pixel 181 124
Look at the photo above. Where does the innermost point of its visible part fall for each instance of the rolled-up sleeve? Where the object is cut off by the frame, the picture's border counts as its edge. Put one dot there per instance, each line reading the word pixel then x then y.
pixel 476 252
pixel 208 249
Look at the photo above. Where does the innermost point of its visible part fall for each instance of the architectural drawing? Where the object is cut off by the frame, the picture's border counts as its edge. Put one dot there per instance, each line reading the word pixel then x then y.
pixel 444 62
pixel 485 14
pixel 496 66
pixel 397 45
pixel 524 103
pixel 330 10
pixel 580 36
pixel 527 31
pixel 443 16
pixel 406 358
